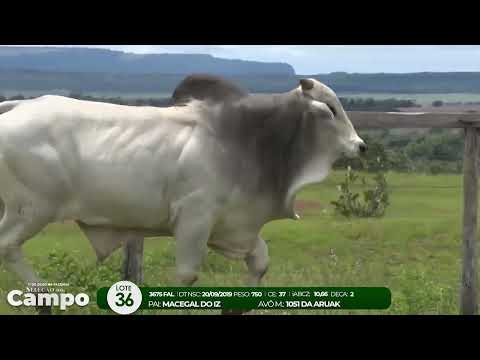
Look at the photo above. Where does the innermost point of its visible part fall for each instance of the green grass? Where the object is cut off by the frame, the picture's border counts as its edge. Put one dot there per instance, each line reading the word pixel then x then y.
pixel 415 250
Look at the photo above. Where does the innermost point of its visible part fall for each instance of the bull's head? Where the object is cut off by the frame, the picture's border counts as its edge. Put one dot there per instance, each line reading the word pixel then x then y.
pixel 327 134
pixel 332 118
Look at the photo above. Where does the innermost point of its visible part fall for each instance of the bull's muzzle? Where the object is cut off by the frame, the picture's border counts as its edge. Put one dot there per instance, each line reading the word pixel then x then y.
pixel 356 147
pixel 362 148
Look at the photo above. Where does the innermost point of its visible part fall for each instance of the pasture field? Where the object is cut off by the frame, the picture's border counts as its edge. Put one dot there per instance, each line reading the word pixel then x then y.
pixel 424 99
pixel 415 250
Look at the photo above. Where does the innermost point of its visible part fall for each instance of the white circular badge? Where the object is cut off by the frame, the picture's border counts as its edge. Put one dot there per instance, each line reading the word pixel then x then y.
pixel 124 297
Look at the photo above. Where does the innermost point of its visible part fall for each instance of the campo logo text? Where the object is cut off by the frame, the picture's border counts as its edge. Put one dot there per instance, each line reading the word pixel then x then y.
pixel 63 300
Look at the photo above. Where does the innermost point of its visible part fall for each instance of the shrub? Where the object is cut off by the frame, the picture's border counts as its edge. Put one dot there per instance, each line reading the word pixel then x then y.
pixel 375 198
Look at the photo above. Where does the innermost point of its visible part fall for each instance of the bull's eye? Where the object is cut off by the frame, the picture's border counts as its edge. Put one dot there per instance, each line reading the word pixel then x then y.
pixel 332 109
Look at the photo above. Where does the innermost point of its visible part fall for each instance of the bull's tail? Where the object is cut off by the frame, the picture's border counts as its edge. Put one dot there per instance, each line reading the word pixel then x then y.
pixel 6 106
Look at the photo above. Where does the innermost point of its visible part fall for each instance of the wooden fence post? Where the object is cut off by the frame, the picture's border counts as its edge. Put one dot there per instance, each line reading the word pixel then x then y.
pixel 133 260
pixel 468 296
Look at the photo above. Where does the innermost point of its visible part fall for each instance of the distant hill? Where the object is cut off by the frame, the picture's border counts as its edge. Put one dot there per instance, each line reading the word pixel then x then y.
pixel 31 80
pixel 87 60
pixel 86 70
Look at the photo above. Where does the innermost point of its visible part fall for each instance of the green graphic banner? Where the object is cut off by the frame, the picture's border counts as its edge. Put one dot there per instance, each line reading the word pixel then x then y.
pixel 246 298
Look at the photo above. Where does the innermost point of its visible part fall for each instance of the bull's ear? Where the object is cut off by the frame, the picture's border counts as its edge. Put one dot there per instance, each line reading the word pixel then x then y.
pixel 306 84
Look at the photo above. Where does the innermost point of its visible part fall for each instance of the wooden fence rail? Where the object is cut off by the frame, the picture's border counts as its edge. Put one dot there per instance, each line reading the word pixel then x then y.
pixel 470 122
pixel 397 120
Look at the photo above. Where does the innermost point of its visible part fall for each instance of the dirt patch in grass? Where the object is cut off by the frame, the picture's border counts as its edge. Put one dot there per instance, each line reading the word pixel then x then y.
pixel 305 205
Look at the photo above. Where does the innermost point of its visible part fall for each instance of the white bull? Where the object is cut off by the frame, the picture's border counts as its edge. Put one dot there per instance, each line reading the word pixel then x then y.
pixel 210 174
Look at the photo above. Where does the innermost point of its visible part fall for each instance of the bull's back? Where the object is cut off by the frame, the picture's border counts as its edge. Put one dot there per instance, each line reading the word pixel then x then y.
pixel 100 163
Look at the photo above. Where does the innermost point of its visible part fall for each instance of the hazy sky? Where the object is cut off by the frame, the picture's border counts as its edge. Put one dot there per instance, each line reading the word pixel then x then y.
pixel 310 59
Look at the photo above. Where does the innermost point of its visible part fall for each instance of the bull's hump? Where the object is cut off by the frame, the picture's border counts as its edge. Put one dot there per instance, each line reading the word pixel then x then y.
pixel 207 87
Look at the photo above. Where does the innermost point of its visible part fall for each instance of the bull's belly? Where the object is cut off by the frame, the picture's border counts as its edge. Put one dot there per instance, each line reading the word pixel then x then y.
pixel 230 249
pixel 120 202
pixel 118 215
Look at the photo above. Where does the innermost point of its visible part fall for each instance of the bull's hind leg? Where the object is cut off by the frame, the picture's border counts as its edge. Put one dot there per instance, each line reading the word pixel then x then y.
pixel 133 259
pixel 16 226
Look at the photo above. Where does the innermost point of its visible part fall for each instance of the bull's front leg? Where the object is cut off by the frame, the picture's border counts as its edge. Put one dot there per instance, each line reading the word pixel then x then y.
pixel 192 231
pixel 257 262
pixel 257 265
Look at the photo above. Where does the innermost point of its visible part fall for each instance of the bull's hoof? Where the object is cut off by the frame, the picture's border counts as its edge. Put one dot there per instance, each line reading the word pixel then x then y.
pixel 44 310
pixel 234 312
